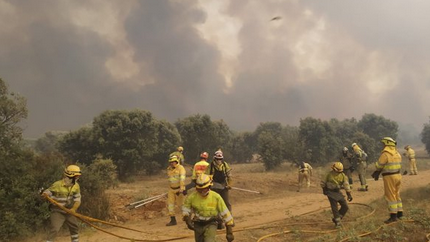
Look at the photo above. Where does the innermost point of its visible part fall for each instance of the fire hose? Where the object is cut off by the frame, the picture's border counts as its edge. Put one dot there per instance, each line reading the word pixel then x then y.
pixel 87 220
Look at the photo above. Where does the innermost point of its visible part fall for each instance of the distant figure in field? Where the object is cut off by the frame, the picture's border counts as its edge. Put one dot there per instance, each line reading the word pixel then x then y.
pixel 305 173
pixel 410 153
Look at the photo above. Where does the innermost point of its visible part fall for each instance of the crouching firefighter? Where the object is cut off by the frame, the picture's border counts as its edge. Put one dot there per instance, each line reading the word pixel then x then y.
pixel 67 193
pixel 331 185
pixel 207 206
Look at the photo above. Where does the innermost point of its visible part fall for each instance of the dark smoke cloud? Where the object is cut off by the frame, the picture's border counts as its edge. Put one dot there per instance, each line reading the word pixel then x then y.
pixel 325 60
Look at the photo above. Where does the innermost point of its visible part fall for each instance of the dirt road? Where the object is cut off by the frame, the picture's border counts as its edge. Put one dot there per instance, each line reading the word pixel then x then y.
pixel 279 201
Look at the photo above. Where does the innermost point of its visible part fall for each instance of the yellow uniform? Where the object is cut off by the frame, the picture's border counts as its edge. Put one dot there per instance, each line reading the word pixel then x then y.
pixel 176 176
pixel 206 211
pixel 410 153
pixel 199 168
pixel 361 166
pixel 389 164
pixel 305 171
pixel 180 156
pixel 68 196
pixel 331 185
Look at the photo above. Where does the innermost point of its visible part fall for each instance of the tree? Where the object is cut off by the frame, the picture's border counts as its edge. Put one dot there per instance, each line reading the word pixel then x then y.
pixel 199 133
pixel 270 144
pixel 49 142
pixel 425 136
pixel 79 145
pixel 378 127
pixel 13 108
pixel 241 148
pixel 319 138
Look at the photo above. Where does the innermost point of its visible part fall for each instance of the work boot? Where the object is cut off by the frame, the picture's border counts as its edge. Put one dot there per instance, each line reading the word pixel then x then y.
pixel 336 222
pixel 172 221
pixel 400 215
pixel 392 219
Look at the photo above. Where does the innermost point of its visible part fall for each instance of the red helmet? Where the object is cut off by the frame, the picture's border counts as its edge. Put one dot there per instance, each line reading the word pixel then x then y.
pixel 204 155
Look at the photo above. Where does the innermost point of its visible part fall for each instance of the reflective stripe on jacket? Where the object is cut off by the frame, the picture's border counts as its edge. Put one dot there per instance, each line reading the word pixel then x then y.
pixel 207 208
pixel 176 177
pixel 220 173
pixel 390 161
pixel 64 195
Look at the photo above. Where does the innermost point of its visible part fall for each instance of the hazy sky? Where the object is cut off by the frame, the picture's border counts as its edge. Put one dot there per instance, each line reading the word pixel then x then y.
pixel 339 59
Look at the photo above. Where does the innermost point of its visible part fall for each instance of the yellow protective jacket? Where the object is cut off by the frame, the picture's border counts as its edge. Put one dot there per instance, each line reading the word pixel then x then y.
pixel 207 208
pixel 390 161
pixel 176 176
pixel 179 155
pixel 358 152
pixel 410 153
pixel 66 196
pixel 306 169
pixel 199 168
pixel 336 181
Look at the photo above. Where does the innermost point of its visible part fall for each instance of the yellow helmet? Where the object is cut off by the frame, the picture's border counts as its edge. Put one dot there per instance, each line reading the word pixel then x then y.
pixel 203 181
pixel 388 141
pixel 72 171
pixel 173 158
pixel 180 148
pixel 407 147
pixel 353 144
pixel 337 166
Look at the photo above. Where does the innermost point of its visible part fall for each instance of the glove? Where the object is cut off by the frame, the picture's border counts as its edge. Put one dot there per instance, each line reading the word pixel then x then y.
pixel 229 233
pixel 375 175
pixel 405 172
pixel 348 194
pixel 228 187
pixel 189 223
pixel 324 190
pixel 44 195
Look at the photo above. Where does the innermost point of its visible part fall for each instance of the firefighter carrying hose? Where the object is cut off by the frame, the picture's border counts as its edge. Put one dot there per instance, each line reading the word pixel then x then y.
pixel 348 165
pixel 360 159
pixel 67 193
pixel 221 175
pixel 207 206
pixel 389 165
pixel 410 153
pixel 305 172
pixel 176 174
pixel 331 185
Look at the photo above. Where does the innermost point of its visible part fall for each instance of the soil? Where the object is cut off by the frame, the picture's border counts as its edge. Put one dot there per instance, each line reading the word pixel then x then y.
pixel 255 215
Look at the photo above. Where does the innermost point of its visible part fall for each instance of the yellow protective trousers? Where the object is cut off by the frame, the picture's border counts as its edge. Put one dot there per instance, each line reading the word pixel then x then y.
pixel 413 166
pixel 174 197
pixel 361 169
pixel 392 184
pixel 304 176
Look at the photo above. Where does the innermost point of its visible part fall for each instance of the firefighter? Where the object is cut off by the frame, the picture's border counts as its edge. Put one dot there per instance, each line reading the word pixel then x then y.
pixel 207 206
pixel 199 168
pixel 360 158
pixel 346 158
pixel 410 154
pixel 389 165
pixel 305 172
pixel 220 172
pixel 176 174
pixel 331 185
pixel 67 193
pixel 179 153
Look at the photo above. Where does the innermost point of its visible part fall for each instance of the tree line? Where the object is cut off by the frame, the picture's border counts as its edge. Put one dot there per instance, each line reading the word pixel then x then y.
pixel 124 143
